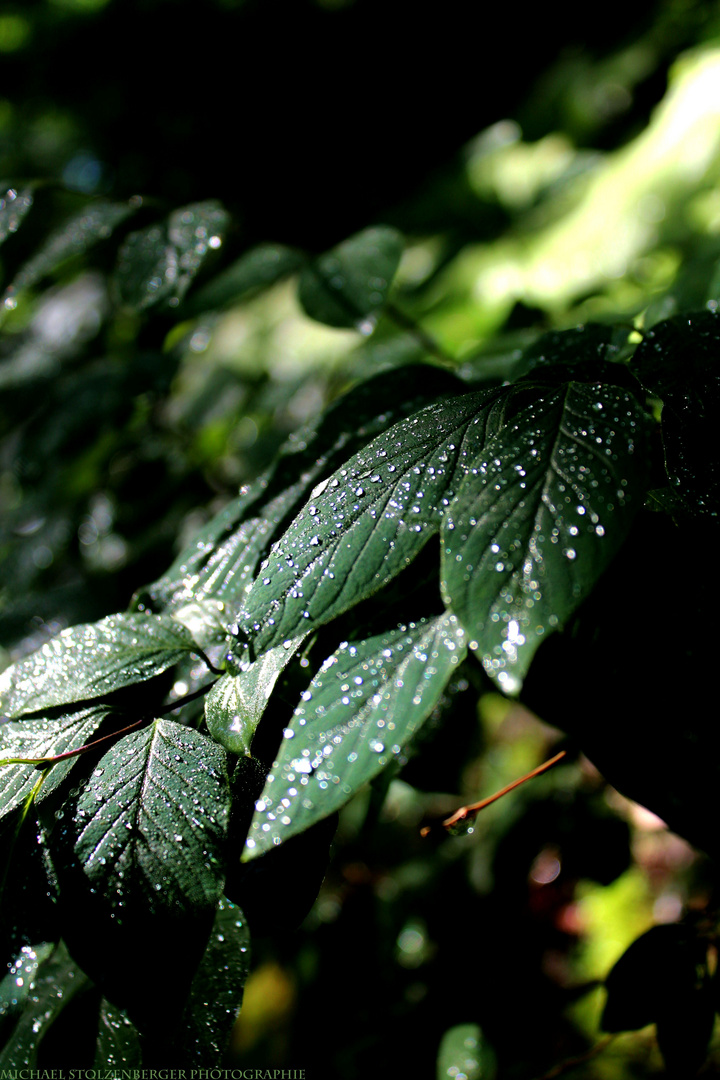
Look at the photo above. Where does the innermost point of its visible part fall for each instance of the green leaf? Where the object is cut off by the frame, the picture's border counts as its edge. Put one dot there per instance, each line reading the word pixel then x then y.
pixel 367 521
pixel 41 738
pixel 15 987
pixel 580 353
pixel 368 699
pixel 77 235
pixel 157 264
pixel 222 558
pixel 57 981
pixel 14 205
pixel 677 362
pixel 464 1052
pixel 91 660
pixel 118 1041
pixel 235 704
pixel 539 517
pixel 256 269
pixel 349 284
pixel 151 823
pixel 217 988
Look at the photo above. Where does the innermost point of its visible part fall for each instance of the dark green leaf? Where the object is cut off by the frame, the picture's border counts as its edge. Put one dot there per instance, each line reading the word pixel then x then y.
pixel 362 707
pixel 678 362
pixel 41 738
pixel 256 269
pixel 93 223
pixel 222 559
pixel 152 821
pixel 235 704
pixel 580 353
pixel 158 264
pixel 348 285
pixel 56 982
pixel 91 660
pixel 118 1042
pixel 14 205
pixel 15 987
pixel 217 989
pixel 367 521
pixel 539 516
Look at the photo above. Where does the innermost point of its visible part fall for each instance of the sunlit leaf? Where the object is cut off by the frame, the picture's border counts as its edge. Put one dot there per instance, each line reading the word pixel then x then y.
pixel 539 516
pixel 88 661
pixel 234 706
pixel 38 739
pixel 222 558
pixel 362 707
pixel 217 988
pixel 151 823
pixel 368 520
pixel 348 285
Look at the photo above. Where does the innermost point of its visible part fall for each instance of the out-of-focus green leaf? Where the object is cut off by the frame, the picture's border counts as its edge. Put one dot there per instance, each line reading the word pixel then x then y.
pixel 359 711
pixel 157 264
pixel 41 738
pixel 95 222
pixel 348 285
pixel 256 269
pixel 234 706
pixel 151 824
pixel 464 1052
pixel 55 983
pixel 217 988
pixel 88 661
pixel 368 520
pixel 118 1041
pixel 538 517
pixel 14 205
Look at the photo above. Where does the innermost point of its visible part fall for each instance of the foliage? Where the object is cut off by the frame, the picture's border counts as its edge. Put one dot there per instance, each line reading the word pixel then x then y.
pixel 502 496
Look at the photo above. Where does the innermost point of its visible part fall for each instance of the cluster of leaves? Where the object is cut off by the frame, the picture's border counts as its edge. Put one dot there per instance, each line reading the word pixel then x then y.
pixel 153 762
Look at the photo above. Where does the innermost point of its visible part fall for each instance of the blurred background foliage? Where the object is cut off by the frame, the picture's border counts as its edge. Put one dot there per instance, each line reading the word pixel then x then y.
pixel 545 171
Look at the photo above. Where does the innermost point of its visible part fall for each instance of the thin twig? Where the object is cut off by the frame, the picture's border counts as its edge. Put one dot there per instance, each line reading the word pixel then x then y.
pixel 571 1063
pixel 474 808
pixel 425 340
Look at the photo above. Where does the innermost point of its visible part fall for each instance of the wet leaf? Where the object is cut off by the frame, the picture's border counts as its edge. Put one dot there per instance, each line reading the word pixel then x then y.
pixel 152 821
pixel 677 362
pixel 348 285
pixel 222 558
pixel 56 982
pixel 368 520
pixel 14 205
pixel 539 516
pixel 91 660
pixel 234 706
pixel 118 1041
pixel 217 988
pixel 256 269
pixel 15 987
pixel 95 222
pixel 157 264
pixel 42 738
pixel 368 699
pixel 578 352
